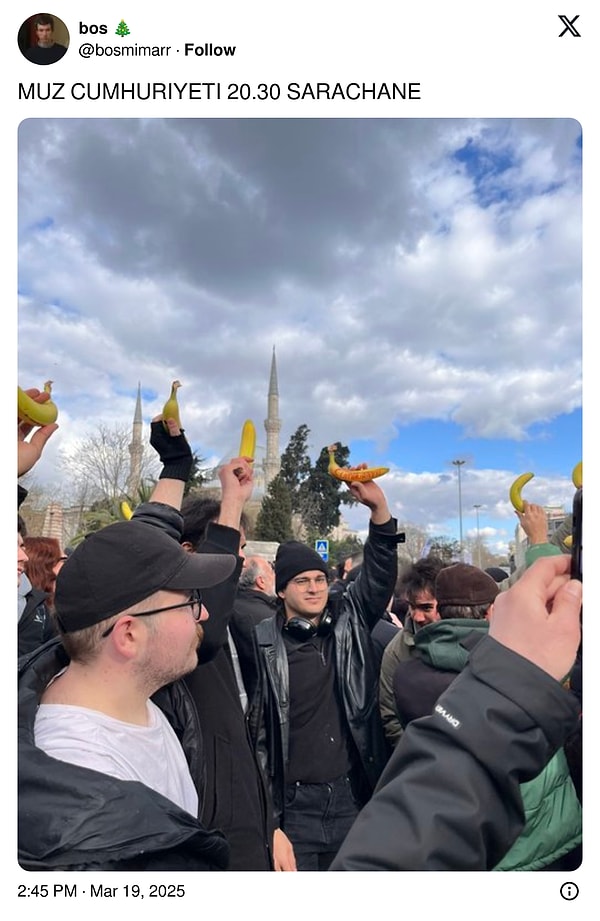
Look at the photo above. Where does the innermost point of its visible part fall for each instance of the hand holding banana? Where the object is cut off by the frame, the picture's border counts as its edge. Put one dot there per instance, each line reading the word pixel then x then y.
pixel 33 412
pixel 359 474
pixel 515 490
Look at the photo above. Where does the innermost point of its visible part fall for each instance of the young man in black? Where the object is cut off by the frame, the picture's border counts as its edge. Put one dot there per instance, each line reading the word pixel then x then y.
pixel 315 721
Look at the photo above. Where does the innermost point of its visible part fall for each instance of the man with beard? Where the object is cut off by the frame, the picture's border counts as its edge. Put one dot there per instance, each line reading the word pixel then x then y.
pixel 105 773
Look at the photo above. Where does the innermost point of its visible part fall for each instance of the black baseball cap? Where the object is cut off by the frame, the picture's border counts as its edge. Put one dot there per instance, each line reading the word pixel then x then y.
pixel 120 565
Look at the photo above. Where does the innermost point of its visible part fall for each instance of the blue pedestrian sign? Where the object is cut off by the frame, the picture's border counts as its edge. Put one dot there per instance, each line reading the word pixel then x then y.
pixel 322 548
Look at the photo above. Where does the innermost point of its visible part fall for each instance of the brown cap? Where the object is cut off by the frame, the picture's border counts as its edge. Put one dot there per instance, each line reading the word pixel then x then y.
pixel 464 585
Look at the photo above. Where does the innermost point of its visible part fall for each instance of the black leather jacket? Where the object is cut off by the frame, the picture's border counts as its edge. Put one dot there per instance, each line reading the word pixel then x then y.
pixel 73 818
pixel 232 791
pixel 356 672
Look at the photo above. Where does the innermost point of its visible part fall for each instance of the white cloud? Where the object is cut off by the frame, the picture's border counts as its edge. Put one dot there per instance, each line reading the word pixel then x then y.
pixel 405 270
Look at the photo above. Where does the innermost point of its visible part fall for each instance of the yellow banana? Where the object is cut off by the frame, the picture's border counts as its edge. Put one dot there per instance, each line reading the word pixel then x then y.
pixel 171 407
pixel 515 490
pixel 347 475
pixel 248 440
pixel 126 510
pixel 36 413
pixel 577 477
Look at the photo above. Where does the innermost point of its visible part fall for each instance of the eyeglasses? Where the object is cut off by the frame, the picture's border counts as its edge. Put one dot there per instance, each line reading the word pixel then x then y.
pixel 304 582
pixel 195 599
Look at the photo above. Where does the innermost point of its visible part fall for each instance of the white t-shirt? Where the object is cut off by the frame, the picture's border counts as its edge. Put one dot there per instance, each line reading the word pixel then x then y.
pixel 150 754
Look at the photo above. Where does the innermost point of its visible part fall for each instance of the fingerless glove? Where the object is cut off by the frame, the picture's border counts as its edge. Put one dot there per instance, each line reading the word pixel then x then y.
pixel 174 452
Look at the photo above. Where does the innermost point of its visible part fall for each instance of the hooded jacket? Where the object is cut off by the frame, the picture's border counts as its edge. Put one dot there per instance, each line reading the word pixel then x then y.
pixel 449 797
pixel 552 809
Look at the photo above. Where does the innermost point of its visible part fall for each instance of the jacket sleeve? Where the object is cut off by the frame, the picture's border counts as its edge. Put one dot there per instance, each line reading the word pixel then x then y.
pixel 534 552
pixel 389 718
pixel 449 796
pixel 219 599
pixel 372 589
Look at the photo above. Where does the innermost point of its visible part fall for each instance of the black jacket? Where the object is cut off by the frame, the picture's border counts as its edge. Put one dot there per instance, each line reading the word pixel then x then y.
pixel 251 606
pixel 357 674
pixel 232 791
pixel 35 623
pixel 449 797
pixel 73 818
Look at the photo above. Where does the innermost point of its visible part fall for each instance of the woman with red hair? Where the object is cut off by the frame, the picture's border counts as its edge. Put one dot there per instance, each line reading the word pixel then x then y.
pixel 44 560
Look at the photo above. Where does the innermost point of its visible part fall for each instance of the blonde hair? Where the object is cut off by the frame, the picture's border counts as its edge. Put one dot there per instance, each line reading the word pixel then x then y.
pixel 84 645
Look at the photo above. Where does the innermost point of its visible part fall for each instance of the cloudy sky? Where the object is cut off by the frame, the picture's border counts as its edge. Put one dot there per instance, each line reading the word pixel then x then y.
pixel 419 279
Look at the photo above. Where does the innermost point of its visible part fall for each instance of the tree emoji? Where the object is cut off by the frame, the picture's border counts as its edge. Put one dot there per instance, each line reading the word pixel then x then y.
pixel 122 28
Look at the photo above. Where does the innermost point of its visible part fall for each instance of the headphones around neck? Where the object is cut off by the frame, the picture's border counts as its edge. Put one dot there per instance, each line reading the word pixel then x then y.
pixel 301 628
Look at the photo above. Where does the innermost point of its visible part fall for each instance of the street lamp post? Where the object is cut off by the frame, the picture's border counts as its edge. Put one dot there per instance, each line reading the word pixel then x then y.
pixel 458 464
pixel 477 507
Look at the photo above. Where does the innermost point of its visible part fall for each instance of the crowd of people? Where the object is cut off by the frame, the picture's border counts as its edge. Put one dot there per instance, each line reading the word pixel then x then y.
pixel 185 707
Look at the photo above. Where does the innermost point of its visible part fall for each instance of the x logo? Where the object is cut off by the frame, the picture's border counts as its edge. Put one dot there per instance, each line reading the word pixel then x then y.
pixel 569 26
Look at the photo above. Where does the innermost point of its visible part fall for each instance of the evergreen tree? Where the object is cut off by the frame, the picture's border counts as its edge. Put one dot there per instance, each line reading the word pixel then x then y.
pixel 320 495
pixel 197 477
pixel 295 464
pixel 274 520
pixel 315 495
pixel 340 550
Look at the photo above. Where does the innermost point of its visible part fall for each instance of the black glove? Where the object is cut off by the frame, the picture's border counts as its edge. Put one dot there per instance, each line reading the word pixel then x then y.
pixel 174 452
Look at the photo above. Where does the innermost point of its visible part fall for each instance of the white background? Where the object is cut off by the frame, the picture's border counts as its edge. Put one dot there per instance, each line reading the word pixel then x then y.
pixel 472 59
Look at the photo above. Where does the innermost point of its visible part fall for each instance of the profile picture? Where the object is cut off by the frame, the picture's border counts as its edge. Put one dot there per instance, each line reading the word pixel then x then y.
pixel 43 39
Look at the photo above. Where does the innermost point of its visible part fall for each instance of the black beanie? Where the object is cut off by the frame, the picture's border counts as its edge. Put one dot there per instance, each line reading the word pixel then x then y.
pixel 294 557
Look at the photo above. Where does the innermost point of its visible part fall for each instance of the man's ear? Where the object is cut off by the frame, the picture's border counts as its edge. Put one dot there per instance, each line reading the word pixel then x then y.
pixel 124 636
pixel 187 546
